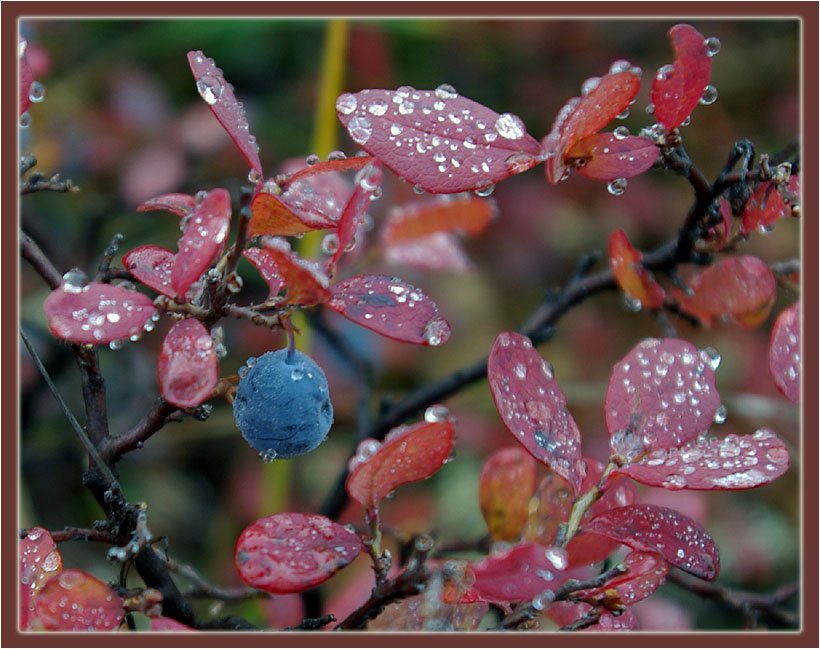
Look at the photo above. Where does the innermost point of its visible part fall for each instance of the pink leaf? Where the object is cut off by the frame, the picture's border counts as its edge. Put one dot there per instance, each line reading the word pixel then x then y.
pixel 263 261
pixel 391 308
pixel 678 87
pixel 218 94
pixel 152 266
pixel 606 156
pixel 340 164
pixel 97 314
pixel 646 572
pixel 202 239
pixel 784 352
pixel 187 367
pixel 408 454
pixel 565 613
pixel 290 552
pixel 437 251
pixel 661 394
pixel 39 561
pixel 650 528
pixel 368 182
pixel 517 575
pixel 603 99
pixel 77 601
pixel 438 140
pixel 179 204
pixel 306 283
pixel 734 462
pixel 26 79
pixel 533 407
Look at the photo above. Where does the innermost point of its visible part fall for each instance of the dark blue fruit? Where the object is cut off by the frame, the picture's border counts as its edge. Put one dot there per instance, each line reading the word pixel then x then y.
pixel 282 404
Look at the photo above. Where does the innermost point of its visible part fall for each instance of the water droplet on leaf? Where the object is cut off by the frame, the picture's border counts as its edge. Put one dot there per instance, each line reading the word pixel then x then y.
pixel 710 95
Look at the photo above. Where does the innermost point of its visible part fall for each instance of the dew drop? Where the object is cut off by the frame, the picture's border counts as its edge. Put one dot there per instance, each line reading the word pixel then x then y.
pixel 209 88
pixel 665 72
pixel 589 85
pixel 617 187
pixel 625 113
pixel 37 92
pixel 377 108
pixel 558 557
pixel 297 374
pixel 485 191
pixel 267 456
pixel 519 162
pixel 712 46
pixel 436 413
pixel 721 414
pixel 254 176
pixel 74 281
pixel 446 91
pixel 711 357
pixel 621 65
pixel 621 133
pixel 509 126
pixel 115 344
pixel 25 120
pixel 360 129
pixel 346 103
pixel 396 129
pixel 710 95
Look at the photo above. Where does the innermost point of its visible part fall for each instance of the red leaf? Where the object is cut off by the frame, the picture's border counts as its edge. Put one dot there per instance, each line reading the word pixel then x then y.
pixel 408 454
pixel 390 307
pixel 26 77
pixel 678 87
pixel 741 289
pixel 604 99
pixel 202 239
pixel 218 94
pixel 39 561
pixel 460 213
pixel 151 265
pixel 290 552
pixel 517 575
pixel 437 251
pixel 606 156
pixel 505 487
pixel 635 281
pixel 306 283
pixel 565 613
pixel 339 164
pixel 533 407
pixel 77 601
pixel 646 572
pixel 650 528
pixel 438 140
pixel 187 367
pixel 179 204
pixel 784 352
pixel 263 261
pixel 728 464
pixel 98 314
pixel 767 206
pixel 163 624
pixel 272 216
pixel 368 183
pixel 662 394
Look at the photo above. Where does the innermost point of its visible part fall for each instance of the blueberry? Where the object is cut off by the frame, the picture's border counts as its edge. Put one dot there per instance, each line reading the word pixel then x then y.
pixel 282 404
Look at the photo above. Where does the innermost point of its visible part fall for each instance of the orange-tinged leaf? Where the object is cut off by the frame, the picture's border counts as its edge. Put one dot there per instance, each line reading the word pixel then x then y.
pixel 340 164
pixel 461 213
pixel 408 454
pixel 635 281
pixel 767 206
pixel 39 561
pixel 77 601
pixel 306 283
pixel 505 487
pixel 646 572
pixel 271 216
pixel 606 156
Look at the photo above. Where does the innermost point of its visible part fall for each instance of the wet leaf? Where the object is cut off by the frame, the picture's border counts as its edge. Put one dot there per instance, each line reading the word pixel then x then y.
pixel 408 454
pixel 506 484
pixel 565 613
pixel 97 314
pixel 390 307
pixel 77 601
pixel 437 251
pixel 739 288
pixel 662 394
pixel 187 367
pixel 635 281
pixel 203 238
pixel 218 94
pixel 438 140
pixel 289 214
pixel 583 116
pixel 290 552
pixel 677 88
pixel 460 213
pixel 767 206
pixel 179 204
pixel 151 265
pixel 650 528
pixel 518 574
pixel 368 183
pixel 533 407
pixel 26 79
pixel 419 614
pixel 552 503
pixel 731 463
pixel 39 561
pixel 263 261
pixel 326 166
pixel 606 156
pixel 784 352
pixel 646 572
pixel 305 281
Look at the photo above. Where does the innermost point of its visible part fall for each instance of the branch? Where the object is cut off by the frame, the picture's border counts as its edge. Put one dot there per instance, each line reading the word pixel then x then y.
pixel 34 255
pixel 37 182
pixel 77 534
pixel 115 447
pixel 203 588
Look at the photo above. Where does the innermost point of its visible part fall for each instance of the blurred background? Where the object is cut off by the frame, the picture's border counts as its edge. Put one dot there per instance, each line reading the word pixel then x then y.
pixel 123 120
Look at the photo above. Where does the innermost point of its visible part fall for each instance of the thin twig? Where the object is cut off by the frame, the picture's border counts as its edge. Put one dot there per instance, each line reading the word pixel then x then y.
pixel 201 587
pixel 77 534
